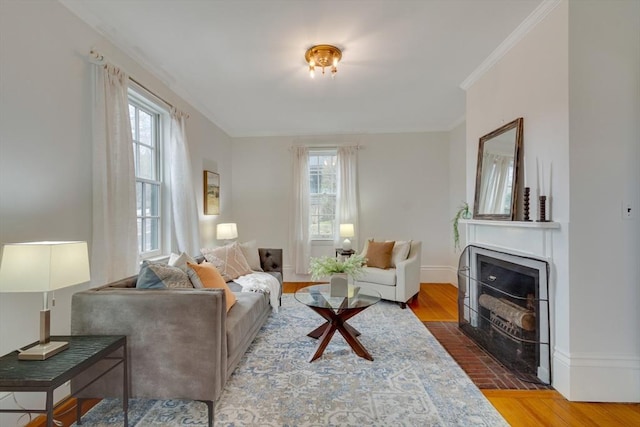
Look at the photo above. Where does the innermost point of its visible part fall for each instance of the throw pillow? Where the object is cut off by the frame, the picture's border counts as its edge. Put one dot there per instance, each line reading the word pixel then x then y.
pixel 229 260
pixel 400 252
pixel 379 254
pixel 250 252
pixel 181 260
pixel 206 275
pixel 161 276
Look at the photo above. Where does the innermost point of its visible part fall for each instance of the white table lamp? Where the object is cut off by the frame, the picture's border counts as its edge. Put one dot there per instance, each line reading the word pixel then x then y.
pixel 43 267
pixel 346 230
pixel 227 231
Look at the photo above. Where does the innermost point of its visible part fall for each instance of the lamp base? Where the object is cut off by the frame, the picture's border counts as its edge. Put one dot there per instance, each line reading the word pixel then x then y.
pixel 346 245
pixel 43 351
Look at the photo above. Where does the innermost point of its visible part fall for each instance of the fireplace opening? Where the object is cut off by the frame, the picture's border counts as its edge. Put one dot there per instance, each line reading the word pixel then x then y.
pixel 503 306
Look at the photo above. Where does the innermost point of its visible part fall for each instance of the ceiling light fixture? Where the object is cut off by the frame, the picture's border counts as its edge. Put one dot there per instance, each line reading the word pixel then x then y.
pixel 323 55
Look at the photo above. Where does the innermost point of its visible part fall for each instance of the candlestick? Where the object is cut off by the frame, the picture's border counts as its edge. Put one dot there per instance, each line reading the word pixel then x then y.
pixel 542 209
pixel 526 203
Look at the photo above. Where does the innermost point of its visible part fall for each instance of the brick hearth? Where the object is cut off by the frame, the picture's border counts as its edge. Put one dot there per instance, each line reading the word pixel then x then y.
pixel 484 370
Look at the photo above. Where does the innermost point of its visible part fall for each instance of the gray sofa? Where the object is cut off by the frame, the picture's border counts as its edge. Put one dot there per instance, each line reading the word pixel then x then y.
pixel 181 343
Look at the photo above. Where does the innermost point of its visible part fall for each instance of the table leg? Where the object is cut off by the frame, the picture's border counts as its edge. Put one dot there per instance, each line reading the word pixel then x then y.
pixel 337 321
pixel 79 411
pixel 125 385
pixel 50 408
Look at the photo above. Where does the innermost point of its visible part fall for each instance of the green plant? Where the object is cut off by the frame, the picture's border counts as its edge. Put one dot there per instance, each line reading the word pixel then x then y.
pixel 326 266
pixel 463 212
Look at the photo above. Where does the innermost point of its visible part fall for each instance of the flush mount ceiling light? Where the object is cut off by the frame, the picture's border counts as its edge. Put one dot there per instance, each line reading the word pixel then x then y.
pixel 323 55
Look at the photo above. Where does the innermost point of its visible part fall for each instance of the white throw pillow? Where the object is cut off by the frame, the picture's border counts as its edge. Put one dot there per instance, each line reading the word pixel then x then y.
pixel 181 260
pixel 229 260
pixel 250 252
pixel 400 252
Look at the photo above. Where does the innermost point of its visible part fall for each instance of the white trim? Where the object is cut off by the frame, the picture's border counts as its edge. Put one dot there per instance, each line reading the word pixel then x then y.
pixel 514 38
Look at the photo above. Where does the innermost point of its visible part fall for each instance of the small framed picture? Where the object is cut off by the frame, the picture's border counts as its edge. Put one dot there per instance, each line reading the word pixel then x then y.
pixel 211 193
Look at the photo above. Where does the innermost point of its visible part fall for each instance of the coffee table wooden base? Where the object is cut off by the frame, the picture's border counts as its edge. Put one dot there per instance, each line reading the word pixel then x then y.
pixel 337 321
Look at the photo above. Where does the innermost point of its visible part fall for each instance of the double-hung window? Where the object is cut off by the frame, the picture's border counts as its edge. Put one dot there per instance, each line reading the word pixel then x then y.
pixel 146 130
pixel 322 192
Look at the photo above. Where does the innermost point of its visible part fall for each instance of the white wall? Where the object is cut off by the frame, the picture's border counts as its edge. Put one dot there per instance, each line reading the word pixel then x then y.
pixel 457 186
pixel 604 146
pixel 404 192
pixel 45 148
pixel 587 132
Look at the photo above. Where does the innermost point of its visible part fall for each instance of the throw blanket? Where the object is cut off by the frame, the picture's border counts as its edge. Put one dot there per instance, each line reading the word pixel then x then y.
pixel 259 281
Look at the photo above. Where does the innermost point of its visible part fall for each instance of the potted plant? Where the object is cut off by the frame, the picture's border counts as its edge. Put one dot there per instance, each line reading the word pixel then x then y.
pixel 464 213
pixel 328 266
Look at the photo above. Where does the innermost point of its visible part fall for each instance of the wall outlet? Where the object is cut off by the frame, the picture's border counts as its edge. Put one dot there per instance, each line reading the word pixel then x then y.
pixel 628 212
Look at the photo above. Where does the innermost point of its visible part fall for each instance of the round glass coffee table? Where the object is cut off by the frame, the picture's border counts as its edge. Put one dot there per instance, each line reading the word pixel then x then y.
pixel 336 310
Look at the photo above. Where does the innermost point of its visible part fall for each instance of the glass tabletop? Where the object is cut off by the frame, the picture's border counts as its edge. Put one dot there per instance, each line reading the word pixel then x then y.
pixel 320 296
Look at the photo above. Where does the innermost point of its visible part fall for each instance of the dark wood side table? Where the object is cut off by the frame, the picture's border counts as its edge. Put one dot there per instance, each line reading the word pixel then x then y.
pixel 344 253
pixel 47 375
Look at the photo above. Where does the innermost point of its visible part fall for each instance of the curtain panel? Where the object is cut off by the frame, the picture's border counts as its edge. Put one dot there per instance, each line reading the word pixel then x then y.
pixel 300 242
pixel 183 200
pixel 114 248
pixel 347 196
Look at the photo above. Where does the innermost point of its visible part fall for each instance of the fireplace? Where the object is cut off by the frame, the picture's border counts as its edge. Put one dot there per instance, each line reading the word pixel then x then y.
pixel 503 305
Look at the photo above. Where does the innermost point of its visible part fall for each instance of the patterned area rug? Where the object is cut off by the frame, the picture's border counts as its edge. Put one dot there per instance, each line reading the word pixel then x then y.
pixel 411 382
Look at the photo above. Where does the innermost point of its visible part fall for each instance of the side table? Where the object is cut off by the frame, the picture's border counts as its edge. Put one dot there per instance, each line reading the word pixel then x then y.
pixel 47 375
pixel 344 253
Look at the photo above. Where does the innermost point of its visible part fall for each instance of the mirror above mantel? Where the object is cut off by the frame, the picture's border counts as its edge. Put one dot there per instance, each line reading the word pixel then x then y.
pixel 499 164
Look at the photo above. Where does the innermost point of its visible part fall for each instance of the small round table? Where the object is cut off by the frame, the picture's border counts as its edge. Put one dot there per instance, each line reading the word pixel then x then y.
pixel 336 311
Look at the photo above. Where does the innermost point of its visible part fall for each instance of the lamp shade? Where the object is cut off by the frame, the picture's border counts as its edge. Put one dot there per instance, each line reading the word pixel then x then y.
pixel 346 230
pixel 227 231
pixel 43 266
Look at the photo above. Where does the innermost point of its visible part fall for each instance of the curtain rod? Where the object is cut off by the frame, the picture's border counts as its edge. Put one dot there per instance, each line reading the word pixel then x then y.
pixel 99 59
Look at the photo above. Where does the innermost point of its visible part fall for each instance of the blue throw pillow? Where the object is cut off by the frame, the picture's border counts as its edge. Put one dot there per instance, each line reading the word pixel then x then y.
pixel 161 276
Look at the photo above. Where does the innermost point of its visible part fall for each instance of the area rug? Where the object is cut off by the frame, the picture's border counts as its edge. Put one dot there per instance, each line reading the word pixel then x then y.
pixel 412 380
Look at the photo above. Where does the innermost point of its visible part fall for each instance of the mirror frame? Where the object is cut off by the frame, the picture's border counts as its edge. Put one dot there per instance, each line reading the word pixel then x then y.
pixel 515 183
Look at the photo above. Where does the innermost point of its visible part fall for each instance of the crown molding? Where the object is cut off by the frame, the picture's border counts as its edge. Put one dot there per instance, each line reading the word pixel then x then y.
pixel 514 38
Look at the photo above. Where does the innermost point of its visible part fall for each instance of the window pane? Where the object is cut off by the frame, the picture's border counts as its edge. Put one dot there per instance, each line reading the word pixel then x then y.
pixel 152 200
pixel 139 235
pixel 138 199
pixel 146 167
pixel 132 117
pixel 150 234
pixel 145 127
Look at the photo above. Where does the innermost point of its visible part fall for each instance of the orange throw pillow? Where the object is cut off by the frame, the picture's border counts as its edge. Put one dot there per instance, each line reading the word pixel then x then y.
pixel 206 275
pixel 379 254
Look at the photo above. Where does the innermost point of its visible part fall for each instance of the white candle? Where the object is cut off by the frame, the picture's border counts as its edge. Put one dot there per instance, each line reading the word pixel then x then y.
pixel 537 177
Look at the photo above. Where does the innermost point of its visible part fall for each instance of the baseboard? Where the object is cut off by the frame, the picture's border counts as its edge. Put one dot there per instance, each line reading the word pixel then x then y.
pixel 438 274
pixel 588 377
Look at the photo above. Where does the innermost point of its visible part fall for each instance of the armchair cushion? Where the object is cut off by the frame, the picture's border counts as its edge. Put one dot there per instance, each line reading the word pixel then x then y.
pixel 378 275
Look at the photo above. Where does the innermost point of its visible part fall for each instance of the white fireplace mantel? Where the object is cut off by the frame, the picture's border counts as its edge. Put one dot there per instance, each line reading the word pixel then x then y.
pixel 520 237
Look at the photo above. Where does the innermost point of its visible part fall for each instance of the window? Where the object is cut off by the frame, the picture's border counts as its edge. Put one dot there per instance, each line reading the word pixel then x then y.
pixel 147 137
pixel 322 192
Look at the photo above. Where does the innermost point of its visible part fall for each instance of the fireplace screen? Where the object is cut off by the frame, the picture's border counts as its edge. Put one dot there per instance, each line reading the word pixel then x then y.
pixel 503 306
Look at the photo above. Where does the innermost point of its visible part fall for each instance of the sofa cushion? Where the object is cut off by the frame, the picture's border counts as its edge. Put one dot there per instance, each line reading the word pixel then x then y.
pixel 229 260
pixel 377 275
pixel 244 317
pixel 379 254
pixel 250 252
pixel 161 276
pixel 206 275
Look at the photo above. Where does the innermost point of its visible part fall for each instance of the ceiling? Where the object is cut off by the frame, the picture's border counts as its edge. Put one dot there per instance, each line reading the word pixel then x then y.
pixel 241 62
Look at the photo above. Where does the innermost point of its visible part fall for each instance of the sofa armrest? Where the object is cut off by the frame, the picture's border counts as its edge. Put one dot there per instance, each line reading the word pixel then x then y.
pixel 176 340
pixel 408 273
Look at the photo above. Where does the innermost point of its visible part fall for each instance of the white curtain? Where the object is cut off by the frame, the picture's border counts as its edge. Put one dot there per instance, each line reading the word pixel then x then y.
pixel 114 250
pixel 300 242
pixel 494 184
pixel 347 196
pixel 183 202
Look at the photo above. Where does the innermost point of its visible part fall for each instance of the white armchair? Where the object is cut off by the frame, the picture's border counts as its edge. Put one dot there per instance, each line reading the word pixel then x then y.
pixel 399 284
